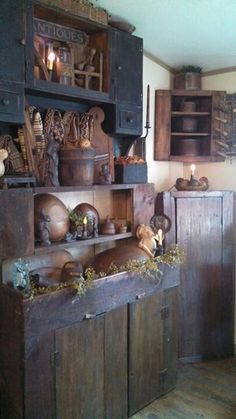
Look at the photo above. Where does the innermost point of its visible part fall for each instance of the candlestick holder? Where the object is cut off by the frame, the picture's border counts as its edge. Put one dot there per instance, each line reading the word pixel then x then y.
pixel 192 185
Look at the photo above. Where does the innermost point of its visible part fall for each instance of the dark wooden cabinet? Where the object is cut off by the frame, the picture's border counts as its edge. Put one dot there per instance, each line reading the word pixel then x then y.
pixel 77 358
pixel 202 225
pixel 126 83
pixel 126 67
pixel 12 53
pixel 11 102
pixel 31 27
pixel 186 125
pixel 12 41
pixel 153 347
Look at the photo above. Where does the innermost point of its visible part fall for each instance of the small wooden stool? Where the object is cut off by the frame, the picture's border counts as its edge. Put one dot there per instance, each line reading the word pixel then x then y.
pixel 26 180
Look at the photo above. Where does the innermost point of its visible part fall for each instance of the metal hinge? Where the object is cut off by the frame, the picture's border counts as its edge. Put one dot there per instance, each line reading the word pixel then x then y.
pixel 165 312
pixel 55 359
pixel 163 374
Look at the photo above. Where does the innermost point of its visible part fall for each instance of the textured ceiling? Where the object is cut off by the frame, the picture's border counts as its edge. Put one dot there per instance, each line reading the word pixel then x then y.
pixel 179 32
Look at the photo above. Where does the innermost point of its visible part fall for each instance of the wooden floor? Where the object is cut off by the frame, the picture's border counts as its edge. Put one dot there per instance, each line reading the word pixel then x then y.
pixel 205 390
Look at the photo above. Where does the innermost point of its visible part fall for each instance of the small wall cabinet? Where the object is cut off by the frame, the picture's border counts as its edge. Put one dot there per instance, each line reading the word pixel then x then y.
pixel 126 82
pixel 186 125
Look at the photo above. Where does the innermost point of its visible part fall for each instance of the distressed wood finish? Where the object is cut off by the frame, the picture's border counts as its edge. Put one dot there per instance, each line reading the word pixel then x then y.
pixel 15 241
pixel 116 365
pixel 162 125
pixel 169 132
pixel 32 332
pixel 170 340
pixel 80 370
pixel 152 347
pixel 12 39
pixel 145 339
pixel 143 204
pixel 202 224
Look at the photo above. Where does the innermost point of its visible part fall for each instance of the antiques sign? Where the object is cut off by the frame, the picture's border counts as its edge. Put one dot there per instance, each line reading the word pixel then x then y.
pixel 61 33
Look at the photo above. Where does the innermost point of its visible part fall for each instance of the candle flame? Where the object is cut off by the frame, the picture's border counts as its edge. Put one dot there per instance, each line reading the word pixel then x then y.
pixel 85 221
pixel 192 168
pixel 50 59
pixel 51 56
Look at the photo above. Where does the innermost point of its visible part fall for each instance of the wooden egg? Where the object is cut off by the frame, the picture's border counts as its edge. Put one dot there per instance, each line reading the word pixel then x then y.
pixel 53 209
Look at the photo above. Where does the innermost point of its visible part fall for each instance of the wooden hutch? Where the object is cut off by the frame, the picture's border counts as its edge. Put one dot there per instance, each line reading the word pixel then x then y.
pixel 61 357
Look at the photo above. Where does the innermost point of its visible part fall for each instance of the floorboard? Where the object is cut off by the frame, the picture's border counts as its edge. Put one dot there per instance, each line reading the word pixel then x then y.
pixel 205 390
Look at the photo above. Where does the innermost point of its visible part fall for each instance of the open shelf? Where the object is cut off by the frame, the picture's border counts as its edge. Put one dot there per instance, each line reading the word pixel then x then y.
pixel 190 134
pixel 81 243
pixel 185 128
pixel 192 114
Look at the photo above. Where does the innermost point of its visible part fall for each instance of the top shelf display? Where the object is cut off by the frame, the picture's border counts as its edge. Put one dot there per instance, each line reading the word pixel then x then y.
pixel 67 50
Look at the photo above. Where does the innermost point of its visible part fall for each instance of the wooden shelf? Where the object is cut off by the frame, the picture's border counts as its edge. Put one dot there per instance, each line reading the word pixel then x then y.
pixel 190 134
pixel 57 189
pixel 174 119
pixel 191 159
pixel 81 243
pixel 192 114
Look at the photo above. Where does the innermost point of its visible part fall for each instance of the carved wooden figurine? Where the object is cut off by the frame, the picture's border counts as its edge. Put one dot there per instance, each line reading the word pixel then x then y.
pixel 147 242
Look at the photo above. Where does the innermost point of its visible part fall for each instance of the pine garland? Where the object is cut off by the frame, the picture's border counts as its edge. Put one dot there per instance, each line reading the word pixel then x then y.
pixel 146 269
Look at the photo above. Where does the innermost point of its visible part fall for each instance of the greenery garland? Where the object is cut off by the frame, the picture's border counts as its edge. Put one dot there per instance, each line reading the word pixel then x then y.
pixel 146 269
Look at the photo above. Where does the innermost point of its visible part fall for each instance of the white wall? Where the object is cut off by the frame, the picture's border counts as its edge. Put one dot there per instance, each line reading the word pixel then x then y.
pixel 162 174
pixel 221 175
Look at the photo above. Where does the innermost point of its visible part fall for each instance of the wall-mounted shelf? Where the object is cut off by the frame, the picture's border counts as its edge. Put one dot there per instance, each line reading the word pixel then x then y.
pixel 185 125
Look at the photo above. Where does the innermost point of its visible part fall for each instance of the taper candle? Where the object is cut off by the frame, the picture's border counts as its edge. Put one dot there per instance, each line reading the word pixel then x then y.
pixel 148 107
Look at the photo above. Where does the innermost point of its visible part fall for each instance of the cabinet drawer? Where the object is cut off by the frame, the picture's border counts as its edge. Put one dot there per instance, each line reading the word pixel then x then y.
pixel 129 120
pixel 11 104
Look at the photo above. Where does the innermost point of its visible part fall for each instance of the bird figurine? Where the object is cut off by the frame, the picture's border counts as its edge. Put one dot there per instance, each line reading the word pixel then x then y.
pixel 3 156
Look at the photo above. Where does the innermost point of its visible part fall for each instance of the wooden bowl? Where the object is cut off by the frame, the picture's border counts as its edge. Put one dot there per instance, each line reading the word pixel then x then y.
pixel 192 188
pixel 117 256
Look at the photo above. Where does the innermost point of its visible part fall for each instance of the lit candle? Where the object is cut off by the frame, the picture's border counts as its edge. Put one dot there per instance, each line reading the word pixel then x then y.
pixel 50 60
pixel 148 107
pixel 160 236
pixel 192 168
pixel 85 231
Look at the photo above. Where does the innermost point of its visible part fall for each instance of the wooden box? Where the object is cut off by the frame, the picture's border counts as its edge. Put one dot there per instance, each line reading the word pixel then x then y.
pixel 131 173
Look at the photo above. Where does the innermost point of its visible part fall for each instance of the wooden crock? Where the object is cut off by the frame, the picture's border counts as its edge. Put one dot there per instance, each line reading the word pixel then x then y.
pixel 188 81
pixel 188 147
pixel 76 166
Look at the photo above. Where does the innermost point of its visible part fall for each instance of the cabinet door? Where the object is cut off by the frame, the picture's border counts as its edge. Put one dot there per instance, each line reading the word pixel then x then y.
pixel 204 231
pixel 125 85
pixel 127 62
pixel 12 40
pixel 91 375
pixel 80 373
pixel 145 351
pixel 170 339
pixel 16 241
pixel 116 380
pixel 162 125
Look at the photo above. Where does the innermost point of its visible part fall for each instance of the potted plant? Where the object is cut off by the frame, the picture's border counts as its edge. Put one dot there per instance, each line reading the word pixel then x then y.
pixel 188 77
